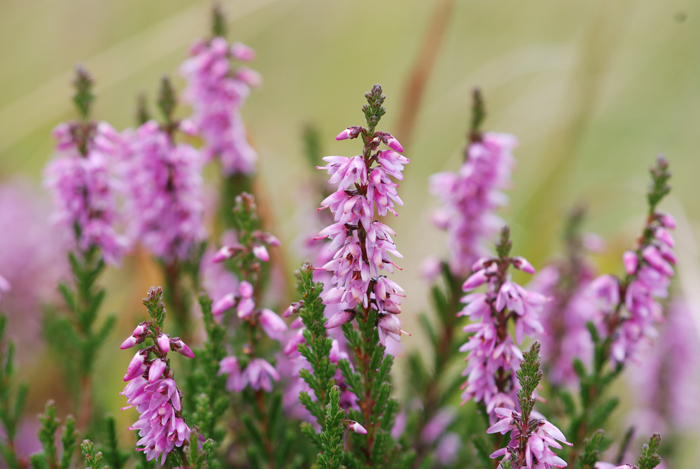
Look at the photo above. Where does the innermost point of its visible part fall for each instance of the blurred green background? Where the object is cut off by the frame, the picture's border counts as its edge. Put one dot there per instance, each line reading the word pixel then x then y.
pixel 594 90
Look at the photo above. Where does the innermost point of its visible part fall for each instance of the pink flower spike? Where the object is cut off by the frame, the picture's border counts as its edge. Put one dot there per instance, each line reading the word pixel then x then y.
pixel 223 304
pixel 156 371
pixel 522 264
pixel 164 343
pixel 356 427
pixel 340 318
pixel 394 145
pixel 629 259
pixel 261 253
pixel 476 280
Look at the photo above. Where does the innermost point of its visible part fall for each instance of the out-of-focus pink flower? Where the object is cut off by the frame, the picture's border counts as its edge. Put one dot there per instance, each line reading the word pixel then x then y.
pixel 471 196
pixel 217 91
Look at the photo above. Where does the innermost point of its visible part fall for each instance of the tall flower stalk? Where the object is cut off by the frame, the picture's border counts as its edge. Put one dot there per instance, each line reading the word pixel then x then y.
pixel 165 203
pixel 361 248
pixel 83 193
pixel 627 310
pixel 151 386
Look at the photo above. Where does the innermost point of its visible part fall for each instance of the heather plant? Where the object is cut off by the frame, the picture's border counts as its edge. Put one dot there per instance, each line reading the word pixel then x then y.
pixel 314 386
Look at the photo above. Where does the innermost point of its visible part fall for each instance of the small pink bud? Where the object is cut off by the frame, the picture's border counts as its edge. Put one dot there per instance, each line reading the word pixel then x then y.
pixel 188 127
pixel 226 252
pixel 223 304
pixel 629 260
pixel 156 370
pixel 481 263
pixel 245 289
pixel 476 280
pixel 136 366
pixel 249 76
pixel 273 325
pixel 345 134
pixel 129 342
pixel 164 343
pixel 356 427
pixel 340 318
pixel 665 237
pixel 522 264
pixel 4 284
pixel 293 308
pixel 297 338
pixel 245 307
pixel 394 144
pixel 261 253
pixel 667 220
pixel 241 52
pixel 182 348
pixel 141 329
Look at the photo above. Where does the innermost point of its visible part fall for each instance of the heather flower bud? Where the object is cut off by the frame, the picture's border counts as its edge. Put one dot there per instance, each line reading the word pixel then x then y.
pixel 245 308
pixel 261 253
pixel 297 338
pixel 181 347
pixel 665 237
pixel 273 325
pixel 241 52
pixel 475 281
pixel 355 427
pixel 226 252
pixel 340 318
pixel 129 342
pixel 629 259
pixel 293 308
pixel 223 304
pixel 350 132
pixel 667 220
pixel 249 76
pixel 522 264
pixel 266 238
pixel 156 370
pixel 334 354
pixel 481 263
pixel 394 144
pixel 245 289
pixel 136 366
pixel 164 343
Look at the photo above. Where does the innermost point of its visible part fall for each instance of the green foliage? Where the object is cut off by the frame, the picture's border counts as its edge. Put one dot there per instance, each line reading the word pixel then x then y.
pixel 83 96
pixel 50 424
pixel 331 438
pixel 478 115
pixel 142 113
pixel 155 306
pixel 218 21
pixel 650 458
pixel 593 446
pixel 115 458
pixel 529 376
pixel 504 243
pixel 196 457
pixel 76 337
pixel 374 110
pixel 93 460
pixel 166 99
pixel 12 398
pixel 660 175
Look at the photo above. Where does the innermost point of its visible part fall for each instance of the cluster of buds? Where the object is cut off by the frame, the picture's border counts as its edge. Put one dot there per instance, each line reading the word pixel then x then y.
pixel 152 389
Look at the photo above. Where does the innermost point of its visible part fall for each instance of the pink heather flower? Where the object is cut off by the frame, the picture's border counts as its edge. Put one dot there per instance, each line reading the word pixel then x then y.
pixel 340 318
pixel 629 259
pixel 158 401
pixel 216 91
pixel 226 252
pixel 261 253
pixel 259 375
pixel 165 201
pixel 564 320
pixel 389 326
pixel 470 197
pixel 83 189
pixel 224 303
pixel 665 379
pixel 356 279
pixel 273 325
pixel 538 454
pixel 488 351
pixel 436 427
pixel 230 366
pixel 181 347
pixel 645 284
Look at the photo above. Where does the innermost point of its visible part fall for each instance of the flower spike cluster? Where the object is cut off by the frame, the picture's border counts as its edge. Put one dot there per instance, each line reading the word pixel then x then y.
pixel 152 388
pixel 362 246
pixel 471 196
pixel 530 437
pixel 217 91
pixel 79 180
pixel 629 309
pixel 493 354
